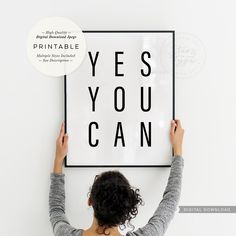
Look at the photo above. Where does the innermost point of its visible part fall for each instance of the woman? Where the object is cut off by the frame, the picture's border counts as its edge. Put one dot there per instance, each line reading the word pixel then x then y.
pixel 113 200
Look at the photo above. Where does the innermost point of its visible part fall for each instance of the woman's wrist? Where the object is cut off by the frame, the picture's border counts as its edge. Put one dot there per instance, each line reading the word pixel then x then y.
pixel 57 166
pixel 178 151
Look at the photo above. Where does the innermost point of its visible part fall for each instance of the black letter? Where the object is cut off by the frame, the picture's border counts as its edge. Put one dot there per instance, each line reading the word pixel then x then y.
pixel 149 133
pixel 93 62
pixel 90 134
pixel 117 62
pixel 149 67
pixel 123 99
pixel 119 127
pixel 149 99
pixel 93 98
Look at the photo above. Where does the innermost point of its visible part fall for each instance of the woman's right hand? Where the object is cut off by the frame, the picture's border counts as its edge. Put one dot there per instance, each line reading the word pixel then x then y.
pixel 176 136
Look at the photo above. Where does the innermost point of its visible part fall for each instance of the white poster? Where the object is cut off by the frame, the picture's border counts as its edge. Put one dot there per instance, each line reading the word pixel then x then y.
pixel 120 101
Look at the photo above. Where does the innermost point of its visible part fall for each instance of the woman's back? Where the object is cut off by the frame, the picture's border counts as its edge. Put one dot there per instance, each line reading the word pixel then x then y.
pixel 113 200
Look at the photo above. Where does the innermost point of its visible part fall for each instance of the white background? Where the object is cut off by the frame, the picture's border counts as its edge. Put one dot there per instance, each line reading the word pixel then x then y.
pixel 31 112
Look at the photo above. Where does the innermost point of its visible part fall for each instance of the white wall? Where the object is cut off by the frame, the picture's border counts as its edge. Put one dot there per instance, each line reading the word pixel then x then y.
pixel 32 109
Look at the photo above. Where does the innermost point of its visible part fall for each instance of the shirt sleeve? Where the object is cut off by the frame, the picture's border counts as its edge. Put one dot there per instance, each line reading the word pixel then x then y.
pixel 58 219
pixel 158 223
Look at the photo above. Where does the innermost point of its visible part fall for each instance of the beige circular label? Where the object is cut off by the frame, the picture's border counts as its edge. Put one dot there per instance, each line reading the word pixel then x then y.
pixel 56 46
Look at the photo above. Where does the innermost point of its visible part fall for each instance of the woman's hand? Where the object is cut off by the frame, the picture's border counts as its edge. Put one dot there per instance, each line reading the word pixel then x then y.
pixel 61 149
pixel 176 136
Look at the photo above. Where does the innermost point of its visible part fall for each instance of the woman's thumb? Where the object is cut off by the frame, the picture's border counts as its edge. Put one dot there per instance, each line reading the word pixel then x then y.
pixel 172 128
pixel 65 138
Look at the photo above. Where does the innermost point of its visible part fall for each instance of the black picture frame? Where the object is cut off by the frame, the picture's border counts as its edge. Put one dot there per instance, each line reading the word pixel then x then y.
pixel 173 93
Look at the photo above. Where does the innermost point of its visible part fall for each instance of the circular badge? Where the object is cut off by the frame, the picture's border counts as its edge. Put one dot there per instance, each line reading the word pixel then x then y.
pixel 190 55
pixel 56 46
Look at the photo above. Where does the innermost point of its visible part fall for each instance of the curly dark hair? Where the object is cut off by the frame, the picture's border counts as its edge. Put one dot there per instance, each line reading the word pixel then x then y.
pixel 113 200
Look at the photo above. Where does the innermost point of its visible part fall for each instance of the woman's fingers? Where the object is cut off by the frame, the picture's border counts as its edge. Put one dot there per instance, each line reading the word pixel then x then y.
pixel 178 123
pixel 175 125
pixel 179 126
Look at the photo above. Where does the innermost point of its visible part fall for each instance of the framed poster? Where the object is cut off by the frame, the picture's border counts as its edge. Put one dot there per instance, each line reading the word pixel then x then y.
pixel 119 103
